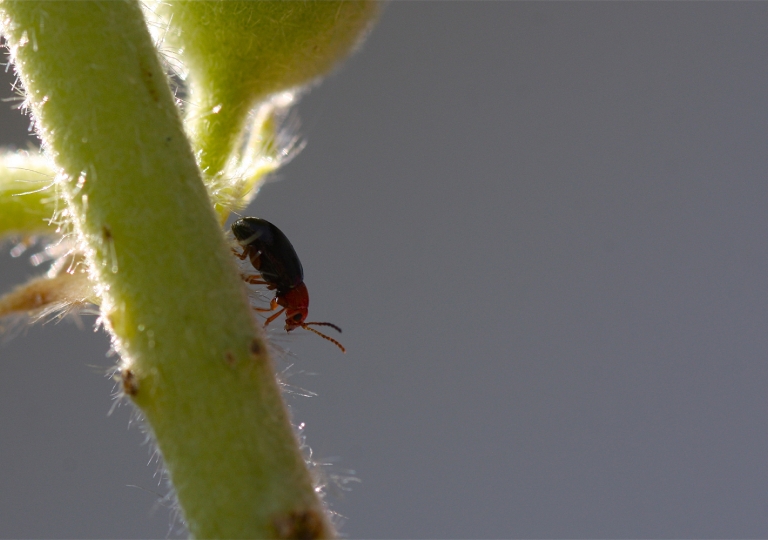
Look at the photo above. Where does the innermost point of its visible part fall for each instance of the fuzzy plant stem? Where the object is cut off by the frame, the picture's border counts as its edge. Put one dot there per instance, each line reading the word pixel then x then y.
pixel 192 358
pixel 27 200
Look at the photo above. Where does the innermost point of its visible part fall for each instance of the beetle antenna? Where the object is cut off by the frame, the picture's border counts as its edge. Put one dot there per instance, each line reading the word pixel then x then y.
pixel 326 324
pixel 329 338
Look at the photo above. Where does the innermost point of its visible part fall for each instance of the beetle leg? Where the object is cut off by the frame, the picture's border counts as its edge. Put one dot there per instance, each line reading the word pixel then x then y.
pixel 254 279
pixel 272 306
pixel 273 317
pixel 240 256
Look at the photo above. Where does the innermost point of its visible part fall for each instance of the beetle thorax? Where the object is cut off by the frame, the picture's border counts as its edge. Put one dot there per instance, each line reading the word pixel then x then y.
pixel 296 303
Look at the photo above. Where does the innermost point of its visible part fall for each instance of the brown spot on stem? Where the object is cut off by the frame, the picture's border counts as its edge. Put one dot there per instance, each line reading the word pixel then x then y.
pixel 130 384
pixel 149 81
pixel 300 525
pixel 256 348
pixel 229 358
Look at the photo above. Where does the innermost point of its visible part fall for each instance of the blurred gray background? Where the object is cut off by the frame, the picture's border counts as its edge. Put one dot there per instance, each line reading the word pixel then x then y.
pixel 543 229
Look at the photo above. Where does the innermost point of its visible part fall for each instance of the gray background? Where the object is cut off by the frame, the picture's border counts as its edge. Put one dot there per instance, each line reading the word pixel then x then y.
pixel 542 227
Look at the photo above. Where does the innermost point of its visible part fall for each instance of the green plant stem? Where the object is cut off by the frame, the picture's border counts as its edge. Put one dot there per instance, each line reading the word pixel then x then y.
pixel 192 359
pixel 27 197
pixel 239 52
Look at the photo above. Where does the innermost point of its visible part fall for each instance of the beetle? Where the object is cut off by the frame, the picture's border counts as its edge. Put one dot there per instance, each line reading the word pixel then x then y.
pixel 272 255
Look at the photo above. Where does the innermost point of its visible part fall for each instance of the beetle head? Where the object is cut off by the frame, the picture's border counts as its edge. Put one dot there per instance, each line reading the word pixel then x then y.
pixel 296 302
pixel 294 318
